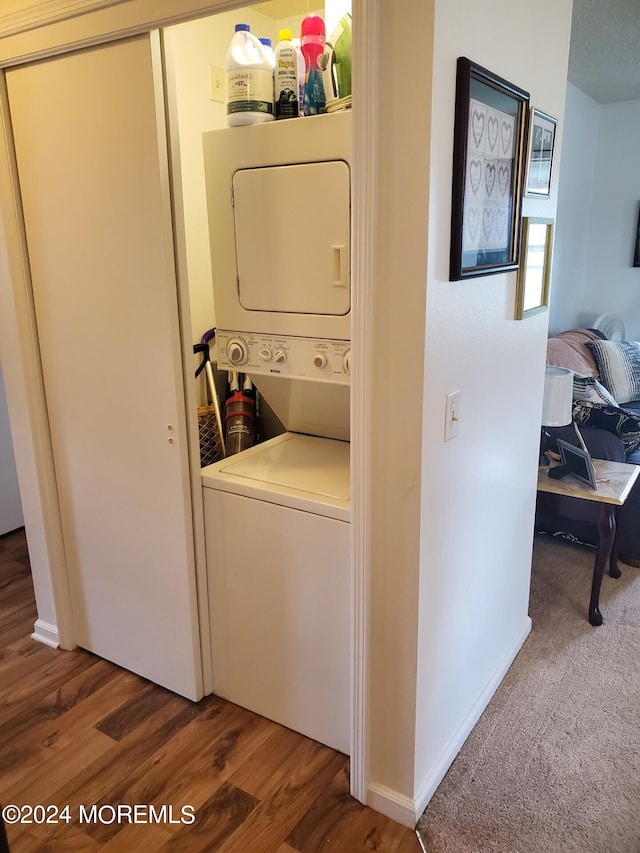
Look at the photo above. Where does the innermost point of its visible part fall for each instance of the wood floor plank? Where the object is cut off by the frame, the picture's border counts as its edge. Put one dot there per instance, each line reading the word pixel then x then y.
pixel 335 808
pixel 36 840
pixel 216 761
pixel 228 808
pixel 23 694
pixel 14 667
pixel 17 626
pixel 140 838
pixel 98 777
pixel 37 722
pixel 333 826
pixel 309 771
pixel 160 777
pixel 125 719
pixel 44 775
pixel 52 743
pixel 13 597
pixel 153 781
pixel 260 777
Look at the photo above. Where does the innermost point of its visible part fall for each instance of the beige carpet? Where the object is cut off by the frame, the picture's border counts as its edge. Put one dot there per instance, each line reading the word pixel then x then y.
pixel 553 764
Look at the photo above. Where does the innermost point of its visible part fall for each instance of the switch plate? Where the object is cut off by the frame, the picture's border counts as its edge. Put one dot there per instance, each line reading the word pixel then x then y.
pixel 451 416
pixel 216 84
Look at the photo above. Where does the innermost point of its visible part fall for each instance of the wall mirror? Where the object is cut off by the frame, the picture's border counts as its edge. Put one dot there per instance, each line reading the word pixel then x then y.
pixel 532 291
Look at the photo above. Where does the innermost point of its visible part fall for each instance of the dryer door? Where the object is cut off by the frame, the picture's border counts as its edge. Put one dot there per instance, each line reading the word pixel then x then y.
pixel 292 230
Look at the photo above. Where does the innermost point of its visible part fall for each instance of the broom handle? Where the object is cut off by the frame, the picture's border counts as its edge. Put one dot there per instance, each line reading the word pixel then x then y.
pixel 216 404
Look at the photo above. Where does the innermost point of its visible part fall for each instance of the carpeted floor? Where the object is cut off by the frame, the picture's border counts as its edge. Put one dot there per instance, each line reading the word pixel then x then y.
pixel 553 764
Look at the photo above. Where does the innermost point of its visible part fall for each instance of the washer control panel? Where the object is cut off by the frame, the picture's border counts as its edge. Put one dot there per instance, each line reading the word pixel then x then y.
pixel 296 358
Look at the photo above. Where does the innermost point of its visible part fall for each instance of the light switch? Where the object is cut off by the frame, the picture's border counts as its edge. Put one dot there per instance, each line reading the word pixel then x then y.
pixel 451 415
pixel 216 84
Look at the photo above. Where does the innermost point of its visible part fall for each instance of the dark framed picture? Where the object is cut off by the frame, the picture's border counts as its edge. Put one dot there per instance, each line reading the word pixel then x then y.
pixel 488 172
pixel 577 462
pixel 534 272
pixel 636 254
pixel 542 138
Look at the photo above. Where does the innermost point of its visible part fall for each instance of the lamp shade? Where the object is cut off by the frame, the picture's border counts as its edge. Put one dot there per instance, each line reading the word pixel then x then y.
pixel 558 397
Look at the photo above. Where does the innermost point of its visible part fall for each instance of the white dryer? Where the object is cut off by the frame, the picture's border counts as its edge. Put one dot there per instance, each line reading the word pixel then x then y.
pixel 277 515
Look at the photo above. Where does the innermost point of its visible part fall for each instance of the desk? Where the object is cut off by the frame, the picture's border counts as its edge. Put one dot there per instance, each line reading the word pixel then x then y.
pixel 614 481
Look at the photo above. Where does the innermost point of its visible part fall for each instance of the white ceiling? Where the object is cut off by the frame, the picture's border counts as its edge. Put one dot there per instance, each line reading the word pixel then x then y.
pixel 604 60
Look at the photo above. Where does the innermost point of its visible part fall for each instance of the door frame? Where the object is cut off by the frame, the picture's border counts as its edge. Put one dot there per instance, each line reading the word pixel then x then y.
pixel 41 29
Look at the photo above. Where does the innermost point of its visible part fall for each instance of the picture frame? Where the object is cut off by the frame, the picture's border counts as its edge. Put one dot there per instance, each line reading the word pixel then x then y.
pixel 534 270
pixel 636 254
pixel 491 117
pixel 576 461
pixel 542 139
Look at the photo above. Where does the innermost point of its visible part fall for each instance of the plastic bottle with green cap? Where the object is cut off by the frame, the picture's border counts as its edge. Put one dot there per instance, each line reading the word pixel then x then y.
pixel 286 77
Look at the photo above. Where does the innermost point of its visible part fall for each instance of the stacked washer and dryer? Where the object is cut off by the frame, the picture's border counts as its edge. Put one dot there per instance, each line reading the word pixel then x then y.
pixel 277 515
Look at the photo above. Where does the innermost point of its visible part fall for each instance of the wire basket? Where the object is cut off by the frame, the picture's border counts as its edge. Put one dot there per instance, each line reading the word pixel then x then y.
pixel 210 444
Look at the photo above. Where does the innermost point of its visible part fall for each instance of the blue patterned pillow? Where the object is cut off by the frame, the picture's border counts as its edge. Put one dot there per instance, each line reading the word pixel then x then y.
pixel 618 364
pixel 625 424
pixel 587 389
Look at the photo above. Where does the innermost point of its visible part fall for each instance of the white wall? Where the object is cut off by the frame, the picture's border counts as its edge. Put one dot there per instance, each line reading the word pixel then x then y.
pixel 452 523
pixel 597 215
pixel 478 490
pixel 612 284
pixel 575 201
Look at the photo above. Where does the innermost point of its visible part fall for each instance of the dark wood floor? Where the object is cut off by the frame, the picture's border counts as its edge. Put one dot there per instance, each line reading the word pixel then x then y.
pixel 77 731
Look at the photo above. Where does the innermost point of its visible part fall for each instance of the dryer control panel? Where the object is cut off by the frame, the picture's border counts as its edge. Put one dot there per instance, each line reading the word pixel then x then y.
pixel 296 358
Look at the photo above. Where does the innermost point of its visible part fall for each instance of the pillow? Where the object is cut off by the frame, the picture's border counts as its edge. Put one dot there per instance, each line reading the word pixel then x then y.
pixel 587 389
pixel 568 349
pixel 626 425
pixel 619 368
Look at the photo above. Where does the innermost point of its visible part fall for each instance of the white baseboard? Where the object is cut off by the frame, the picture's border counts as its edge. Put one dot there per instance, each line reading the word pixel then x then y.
pixel 391 804
pixel 408 811
pixel 452 748
pixel 45 633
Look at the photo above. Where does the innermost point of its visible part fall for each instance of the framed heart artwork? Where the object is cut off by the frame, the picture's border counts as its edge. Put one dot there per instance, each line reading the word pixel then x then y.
pixel 489 148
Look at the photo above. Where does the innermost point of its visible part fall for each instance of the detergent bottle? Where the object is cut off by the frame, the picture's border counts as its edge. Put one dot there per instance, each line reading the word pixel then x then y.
pixel 312 38
pixel 287 85
pixel 249 79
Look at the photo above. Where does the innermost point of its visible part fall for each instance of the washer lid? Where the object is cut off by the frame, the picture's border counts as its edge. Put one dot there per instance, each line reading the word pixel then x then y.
pixel 302 462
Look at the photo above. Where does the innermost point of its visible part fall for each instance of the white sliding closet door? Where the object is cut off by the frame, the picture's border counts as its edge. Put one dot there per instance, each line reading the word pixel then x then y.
pixel 92 164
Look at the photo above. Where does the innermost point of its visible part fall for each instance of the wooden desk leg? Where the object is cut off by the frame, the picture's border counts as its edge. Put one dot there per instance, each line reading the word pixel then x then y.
pixel 607 532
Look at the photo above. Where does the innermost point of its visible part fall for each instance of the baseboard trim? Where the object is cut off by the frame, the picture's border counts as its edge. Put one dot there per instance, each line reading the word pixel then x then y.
pixel 407 811
pixel 391 804
pixel 429 786
pixel 45 633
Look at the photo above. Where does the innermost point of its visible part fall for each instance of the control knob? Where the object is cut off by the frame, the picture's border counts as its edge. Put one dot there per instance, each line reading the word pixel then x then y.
pixel 320 359
pixel 237 351
pixel 266 354
pixel 279 356
pixel 346 362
